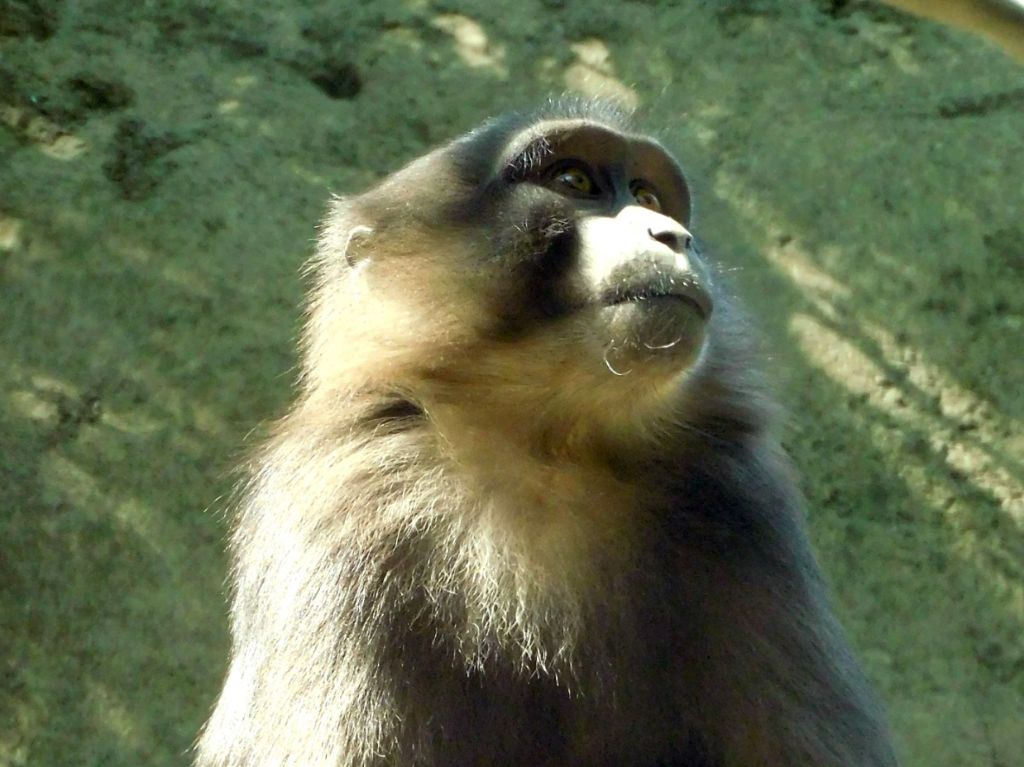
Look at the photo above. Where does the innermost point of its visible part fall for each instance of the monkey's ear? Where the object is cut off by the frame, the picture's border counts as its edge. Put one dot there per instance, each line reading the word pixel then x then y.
pixel 354 250
pixel 342 238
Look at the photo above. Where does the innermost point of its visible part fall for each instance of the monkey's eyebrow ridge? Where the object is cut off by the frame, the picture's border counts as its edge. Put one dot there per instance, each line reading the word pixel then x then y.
pixel 526 162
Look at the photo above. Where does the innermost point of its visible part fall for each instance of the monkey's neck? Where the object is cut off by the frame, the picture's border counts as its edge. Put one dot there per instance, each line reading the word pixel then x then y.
pixel 533 549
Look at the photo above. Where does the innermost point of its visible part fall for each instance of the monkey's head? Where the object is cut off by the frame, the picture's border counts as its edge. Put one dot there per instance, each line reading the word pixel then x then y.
pixel 538 269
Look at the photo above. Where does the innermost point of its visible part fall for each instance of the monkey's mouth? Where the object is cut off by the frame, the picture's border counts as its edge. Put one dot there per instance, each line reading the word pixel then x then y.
pixel 686 290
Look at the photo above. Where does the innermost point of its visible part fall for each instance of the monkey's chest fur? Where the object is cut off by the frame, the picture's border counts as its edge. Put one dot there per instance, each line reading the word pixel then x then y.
pixel 544 609
pixel 445 610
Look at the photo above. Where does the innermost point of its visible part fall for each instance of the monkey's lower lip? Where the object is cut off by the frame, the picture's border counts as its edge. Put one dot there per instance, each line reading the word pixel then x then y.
pixel 694 295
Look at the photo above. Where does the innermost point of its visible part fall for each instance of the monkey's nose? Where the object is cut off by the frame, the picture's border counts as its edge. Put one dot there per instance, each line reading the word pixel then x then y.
pixel 675 237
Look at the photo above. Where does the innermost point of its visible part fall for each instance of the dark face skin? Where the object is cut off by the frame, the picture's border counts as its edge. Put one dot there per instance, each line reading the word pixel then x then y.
pixel 622 204
pixel 605 171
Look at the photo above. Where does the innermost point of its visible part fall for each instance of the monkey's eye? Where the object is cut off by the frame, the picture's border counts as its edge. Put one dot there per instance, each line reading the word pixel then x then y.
pixel 645 196
pixel 574 177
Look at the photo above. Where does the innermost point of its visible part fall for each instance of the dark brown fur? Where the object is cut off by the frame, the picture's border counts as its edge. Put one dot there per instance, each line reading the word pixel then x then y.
pixel 473 542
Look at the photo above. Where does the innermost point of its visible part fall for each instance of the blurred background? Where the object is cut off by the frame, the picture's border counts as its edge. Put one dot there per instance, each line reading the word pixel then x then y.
pixel 859 173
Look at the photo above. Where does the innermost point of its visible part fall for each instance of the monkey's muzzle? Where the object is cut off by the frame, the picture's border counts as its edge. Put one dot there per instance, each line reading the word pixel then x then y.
pixel 652 310
pixel 685 288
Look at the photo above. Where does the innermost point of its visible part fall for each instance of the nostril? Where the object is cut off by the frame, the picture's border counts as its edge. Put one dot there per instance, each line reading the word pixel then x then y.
pixel 676 240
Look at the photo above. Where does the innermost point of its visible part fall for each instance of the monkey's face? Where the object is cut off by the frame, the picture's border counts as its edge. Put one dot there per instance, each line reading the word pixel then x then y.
pixel 614 260
pixel 547 268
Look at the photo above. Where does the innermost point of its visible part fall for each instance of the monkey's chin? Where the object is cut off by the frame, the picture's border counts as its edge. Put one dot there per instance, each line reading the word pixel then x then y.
pixel 665 331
